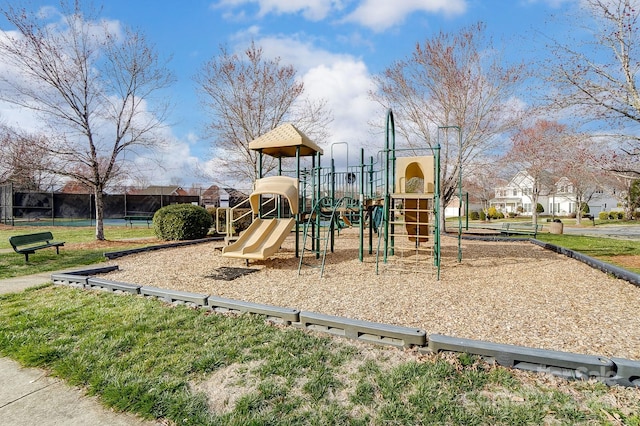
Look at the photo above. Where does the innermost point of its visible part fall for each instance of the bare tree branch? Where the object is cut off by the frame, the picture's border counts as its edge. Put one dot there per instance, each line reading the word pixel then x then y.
pixel 248 95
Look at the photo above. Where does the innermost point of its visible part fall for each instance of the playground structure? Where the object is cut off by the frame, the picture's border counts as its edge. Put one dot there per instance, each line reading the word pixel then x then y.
pixel 391 199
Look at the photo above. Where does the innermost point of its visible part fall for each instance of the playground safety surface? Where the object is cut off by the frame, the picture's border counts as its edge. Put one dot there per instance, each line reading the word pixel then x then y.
pixel 504 292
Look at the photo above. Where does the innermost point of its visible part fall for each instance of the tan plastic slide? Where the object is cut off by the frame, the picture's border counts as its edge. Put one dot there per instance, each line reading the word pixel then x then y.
pixel 265 236
pixel 260 240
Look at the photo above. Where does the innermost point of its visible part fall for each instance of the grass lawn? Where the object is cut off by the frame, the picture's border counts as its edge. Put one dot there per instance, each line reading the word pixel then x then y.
pixel 80 248
pixel 196 368
pixel 623 253
pixel 193 367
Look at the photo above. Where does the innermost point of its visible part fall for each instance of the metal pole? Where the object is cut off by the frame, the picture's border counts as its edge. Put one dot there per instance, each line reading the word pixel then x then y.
pixel 362 208
pixel 389 174
pixel 466 213
pixel 300 204
pixel 459 186
pixel 459 194
pixel 436 207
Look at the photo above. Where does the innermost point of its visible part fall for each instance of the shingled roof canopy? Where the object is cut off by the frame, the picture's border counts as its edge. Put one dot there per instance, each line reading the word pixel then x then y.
pixel 283 141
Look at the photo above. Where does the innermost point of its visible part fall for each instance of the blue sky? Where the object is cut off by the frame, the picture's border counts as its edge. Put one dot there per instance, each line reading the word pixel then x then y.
pixel 336 46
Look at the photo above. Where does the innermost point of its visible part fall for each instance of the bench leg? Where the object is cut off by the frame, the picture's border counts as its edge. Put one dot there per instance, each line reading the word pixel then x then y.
pixel 26 257
pixel 57 250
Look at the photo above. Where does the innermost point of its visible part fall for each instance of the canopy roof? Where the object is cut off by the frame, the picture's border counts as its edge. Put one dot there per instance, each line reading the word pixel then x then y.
pixel 283 141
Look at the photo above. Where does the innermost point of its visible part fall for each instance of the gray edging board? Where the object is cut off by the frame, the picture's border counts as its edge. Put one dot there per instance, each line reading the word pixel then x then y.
pixel 74 280
pixel 102 284
pixel 513 356
pixel 364 330
pixel 225 305
pixel 174 295
pixel 93 271
pixel 612 371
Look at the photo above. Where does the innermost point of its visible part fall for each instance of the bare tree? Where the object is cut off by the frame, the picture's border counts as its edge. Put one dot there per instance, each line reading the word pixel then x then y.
pixel 453 80
pixel 621 171
pixel 248 95
pixel 578 163
pixel 536 150
pixel 594 70
pixel 90 84
pixel 23 161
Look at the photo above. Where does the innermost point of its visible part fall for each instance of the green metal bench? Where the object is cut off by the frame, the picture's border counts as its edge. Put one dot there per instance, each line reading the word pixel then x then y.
pixel 519 228
pixel 29 243
pixel 130 218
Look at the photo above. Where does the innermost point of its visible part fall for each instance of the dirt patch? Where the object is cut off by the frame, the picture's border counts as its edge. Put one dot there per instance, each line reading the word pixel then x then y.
pixel 627 261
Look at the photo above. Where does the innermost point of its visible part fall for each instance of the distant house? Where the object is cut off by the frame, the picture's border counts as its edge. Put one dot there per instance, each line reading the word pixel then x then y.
pixel 233 196
pixel 159 190
pixel 559 197
pixel 75 187
pixel 214 196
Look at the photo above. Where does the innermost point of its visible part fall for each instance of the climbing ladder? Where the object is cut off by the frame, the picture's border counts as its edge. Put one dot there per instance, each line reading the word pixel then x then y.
pixel 408 225
pixel 326 217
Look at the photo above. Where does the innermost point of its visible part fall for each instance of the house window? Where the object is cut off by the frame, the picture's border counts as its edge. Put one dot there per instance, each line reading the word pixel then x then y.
pixel 515 192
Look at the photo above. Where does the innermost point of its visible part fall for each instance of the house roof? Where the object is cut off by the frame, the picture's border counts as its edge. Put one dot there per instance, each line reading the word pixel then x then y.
pixel 75 187
pixel 160 190
pixel 283 141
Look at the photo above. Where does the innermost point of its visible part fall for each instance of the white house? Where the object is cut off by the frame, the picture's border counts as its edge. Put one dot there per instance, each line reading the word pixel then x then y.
pixel 558 198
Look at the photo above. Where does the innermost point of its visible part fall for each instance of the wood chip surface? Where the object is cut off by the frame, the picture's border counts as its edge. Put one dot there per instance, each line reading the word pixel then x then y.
pixel 504 292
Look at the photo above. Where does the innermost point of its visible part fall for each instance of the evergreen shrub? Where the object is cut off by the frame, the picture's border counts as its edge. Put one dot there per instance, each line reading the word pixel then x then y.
pixel 182 222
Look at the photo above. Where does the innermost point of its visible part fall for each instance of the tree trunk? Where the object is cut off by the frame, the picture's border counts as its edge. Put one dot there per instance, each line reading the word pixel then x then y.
pixel 99 214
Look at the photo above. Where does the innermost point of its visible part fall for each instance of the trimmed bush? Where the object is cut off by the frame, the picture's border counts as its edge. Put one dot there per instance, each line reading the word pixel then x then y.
pixel 483 215
pixel 539 208
pixel 585 208
pixel 474 215
pixel 492 213
pixel 603 215
pixel 182 222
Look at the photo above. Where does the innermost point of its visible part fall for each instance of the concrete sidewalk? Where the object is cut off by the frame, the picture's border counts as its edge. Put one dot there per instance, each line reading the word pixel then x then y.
pixel 29 396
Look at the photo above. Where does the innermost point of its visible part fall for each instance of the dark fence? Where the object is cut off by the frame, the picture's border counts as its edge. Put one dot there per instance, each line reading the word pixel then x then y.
pixel 32 206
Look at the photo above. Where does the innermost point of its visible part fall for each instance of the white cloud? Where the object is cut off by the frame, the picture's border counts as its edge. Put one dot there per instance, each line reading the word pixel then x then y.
pixel 552 3
pixel 169 163
pixel 345 84
pixel 342 80
pixel 313 10
pixel 380 15
pixel 304 55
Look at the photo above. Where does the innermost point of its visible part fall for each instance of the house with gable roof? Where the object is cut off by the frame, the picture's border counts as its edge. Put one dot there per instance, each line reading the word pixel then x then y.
pixel 557 196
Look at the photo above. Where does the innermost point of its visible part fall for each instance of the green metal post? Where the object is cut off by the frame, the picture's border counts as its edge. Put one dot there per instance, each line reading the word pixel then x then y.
pixel 459 195
pixel 466 211
pixel 389 174
pixel 300 204
pixel 436 207
pixel 361 208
